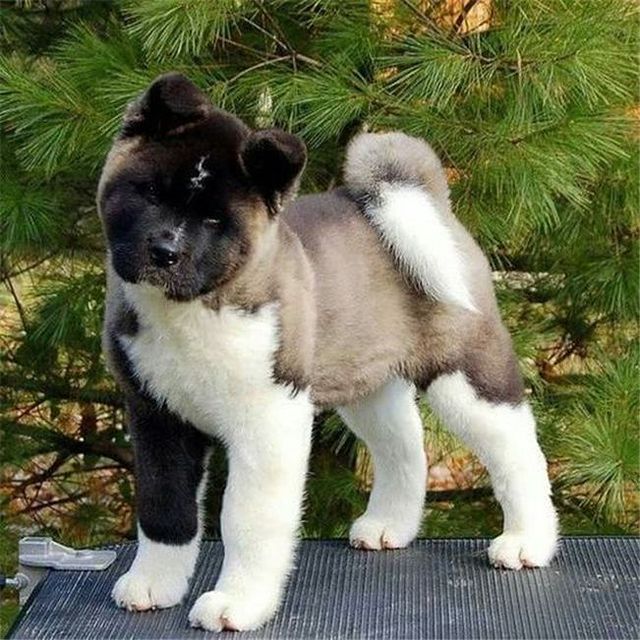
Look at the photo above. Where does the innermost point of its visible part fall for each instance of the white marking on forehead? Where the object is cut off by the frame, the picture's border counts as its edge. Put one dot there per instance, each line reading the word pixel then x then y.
pixel 197 182
pixel 179 231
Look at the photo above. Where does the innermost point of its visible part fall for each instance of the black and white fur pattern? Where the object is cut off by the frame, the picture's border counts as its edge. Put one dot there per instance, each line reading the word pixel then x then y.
pixel 226 390
pixel 201 359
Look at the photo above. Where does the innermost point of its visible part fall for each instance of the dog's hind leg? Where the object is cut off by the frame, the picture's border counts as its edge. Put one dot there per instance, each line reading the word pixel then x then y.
pixel 503 435
pixel 389 423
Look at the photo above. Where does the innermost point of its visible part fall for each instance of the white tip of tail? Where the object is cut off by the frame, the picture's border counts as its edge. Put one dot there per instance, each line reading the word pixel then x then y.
pixel 412 228
pixel 403 188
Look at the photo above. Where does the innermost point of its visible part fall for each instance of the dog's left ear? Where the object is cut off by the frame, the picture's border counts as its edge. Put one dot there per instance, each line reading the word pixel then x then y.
pixel 273 160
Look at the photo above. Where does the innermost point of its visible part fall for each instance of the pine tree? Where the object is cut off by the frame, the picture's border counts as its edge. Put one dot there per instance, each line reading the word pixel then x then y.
pixel 532 106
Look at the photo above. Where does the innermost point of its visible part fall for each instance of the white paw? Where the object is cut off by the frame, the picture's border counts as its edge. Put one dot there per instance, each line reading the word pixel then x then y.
pixel 373 534
pixel 517 550
pixel 217 611
pixel 136 591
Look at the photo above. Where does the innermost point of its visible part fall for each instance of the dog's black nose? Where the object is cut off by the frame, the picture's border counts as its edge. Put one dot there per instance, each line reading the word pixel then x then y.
pixel 163 253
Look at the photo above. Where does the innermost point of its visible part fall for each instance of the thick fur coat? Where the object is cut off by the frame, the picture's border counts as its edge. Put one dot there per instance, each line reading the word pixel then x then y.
pixel 235 310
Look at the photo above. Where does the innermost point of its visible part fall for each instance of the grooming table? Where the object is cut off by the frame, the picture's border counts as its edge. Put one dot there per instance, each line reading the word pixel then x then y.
pixel 435 589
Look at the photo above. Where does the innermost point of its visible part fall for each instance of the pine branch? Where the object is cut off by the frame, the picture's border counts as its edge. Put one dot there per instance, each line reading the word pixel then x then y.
pixel 426 20
pixel 29 267
pixel 464 13
pixel 43 476
pixel 255 67
pixel 59 390
pixel 33 508
pixel 47 440
pixel 282 43
pixel 16 300
pixel 532 117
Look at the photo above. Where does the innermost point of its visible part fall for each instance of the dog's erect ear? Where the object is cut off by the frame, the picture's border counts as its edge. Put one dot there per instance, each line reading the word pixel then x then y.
pixel 273 160
pixel 170 102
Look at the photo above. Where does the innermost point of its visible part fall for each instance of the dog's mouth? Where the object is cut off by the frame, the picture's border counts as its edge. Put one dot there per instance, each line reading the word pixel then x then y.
pixel 182 281
pixel 177 284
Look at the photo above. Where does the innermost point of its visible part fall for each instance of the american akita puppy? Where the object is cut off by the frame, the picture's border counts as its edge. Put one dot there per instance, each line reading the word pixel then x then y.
pixel 233 311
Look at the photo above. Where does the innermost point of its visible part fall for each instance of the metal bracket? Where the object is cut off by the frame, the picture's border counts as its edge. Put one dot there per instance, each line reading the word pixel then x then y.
pixel 19 581
pixel 44 552
pixel 37 555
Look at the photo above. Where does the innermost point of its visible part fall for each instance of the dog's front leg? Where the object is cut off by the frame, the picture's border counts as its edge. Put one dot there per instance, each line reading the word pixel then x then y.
pixel 170 466
pixel 268 450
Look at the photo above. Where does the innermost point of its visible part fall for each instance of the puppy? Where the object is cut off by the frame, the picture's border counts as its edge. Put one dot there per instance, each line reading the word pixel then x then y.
pixel 234 310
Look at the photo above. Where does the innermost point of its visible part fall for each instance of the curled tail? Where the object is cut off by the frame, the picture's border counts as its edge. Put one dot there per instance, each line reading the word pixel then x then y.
pixel 403 188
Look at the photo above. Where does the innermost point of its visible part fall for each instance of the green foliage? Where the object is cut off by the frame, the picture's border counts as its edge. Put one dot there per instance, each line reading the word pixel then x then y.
pixel 8 566
pixel 68 314
pixel 532 116
pixel 332 489
pixel 601 443
pixel 52 118
pixel 170 29
pixel 29 217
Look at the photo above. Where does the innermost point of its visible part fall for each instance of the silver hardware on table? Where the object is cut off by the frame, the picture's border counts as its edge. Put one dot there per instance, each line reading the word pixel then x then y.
pixel 37 555
pixel 19 581
pixel 44 552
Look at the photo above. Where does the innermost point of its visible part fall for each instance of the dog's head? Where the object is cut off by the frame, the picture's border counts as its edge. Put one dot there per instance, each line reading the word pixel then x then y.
pixel 188 191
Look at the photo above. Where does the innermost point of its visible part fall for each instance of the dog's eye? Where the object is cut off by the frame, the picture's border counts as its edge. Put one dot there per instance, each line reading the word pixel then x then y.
pixel 152 192
pixel 212 223
pixel 148 190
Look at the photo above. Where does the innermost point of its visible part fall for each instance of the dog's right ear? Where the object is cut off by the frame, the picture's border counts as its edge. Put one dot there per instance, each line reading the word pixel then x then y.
pixel 171 101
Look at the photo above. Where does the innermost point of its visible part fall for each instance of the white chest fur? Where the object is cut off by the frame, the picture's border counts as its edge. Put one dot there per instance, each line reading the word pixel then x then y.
pixel 212 368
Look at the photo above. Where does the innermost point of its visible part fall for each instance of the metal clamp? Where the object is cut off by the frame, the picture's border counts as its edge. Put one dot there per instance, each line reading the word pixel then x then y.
pixel 19 581
pixel 38 555
pixel 44 552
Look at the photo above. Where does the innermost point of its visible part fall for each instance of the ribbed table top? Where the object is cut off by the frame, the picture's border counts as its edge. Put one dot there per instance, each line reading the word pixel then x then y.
pixel 434 589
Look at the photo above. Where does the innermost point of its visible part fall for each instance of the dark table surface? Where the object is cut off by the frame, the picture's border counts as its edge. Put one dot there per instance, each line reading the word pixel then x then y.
pixel 434 589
